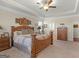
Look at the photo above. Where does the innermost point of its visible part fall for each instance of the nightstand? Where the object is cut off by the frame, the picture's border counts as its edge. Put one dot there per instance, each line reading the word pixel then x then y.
pixel 4 42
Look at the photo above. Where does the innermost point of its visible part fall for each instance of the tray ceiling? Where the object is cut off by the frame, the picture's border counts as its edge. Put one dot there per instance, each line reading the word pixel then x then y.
pixel 63 7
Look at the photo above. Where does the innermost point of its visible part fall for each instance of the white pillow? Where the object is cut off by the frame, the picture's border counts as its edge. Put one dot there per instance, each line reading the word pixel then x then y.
pixel 28 35
pixel 17 33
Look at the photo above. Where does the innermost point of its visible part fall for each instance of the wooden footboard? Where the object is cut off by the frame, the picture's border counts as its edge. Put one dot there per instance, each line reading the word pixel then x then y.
pixel 38 45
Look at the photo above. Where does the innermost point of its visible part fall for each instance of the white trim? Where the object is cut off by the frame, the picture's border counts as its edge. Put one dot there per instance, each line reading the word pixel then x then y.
pixel 76 5
pixel 61 17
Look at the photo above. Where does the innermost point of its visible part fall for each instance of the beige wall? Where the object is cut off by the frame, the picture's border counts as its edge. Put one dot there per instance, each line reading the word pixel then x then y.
pixel 7 19
pixel 67 23
pixel 76 30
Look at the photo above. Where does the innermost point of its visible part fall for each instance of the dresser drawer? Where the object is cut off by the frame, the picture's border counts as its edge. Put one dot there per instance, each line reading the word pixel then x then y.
pixel 4 44
pixel 4 48
pixel 4 40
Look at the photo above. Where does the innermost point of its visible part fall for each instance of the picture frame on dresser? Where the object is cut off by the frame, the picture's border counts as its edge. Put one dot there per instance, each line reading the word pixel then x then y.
pixel 6 34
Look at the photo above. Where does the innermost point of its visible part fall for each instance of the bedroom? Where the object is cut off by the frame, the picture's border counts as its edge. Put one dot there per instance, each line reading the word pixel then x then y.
pixel 68 15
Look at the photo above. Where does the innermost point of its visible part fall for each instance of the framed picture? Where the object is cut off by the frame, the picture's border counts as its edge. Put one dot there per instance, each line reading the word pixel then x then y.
pixel 23 21
pixel 75 25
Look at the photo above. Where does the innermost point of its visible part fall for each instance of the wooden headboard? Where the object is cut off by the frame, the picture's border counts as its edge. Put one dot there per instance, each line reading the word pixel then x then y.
pixel 19 28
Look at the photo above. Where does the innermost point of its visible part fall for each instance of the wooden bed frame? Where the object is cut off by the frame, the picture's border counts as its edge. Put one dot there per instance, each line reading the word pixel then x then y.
pixel 37 44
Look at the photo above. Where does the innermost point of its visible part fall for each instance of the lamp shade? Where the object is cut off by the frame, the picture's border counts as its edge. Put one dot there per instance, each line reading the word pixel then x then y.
pixel 39 27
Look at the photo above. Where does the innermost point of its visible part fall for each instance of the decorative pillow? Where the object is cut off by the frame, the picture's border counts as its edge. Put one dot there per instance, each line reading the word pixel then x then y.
pixel 25 32
pixel 19 32
pixel 28 31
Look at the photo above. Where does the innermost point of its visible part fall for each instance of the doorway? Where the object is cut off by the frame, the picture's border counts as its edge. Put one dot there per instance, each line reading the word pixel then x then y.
pixel 62 32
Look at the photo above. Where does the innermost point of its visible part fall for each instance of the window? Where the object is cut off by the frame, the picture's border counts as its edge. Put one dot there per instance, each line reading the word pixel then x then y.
pixel 39 23
pixel 51 26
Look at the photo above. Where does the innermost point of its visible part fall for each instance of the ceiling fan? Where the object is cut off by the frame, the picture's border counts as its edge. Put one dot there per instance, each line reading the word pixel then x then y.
pixel 46 4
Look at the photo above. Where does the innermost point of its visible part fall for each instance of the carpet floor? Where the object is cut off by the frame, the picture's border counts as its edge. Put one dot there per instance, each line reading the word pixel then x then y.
pixel 60 49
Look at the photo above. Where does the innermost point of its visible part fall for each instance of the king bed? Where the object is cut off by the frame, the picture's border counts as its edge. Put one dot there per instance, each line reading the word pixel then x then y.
pixel 24 38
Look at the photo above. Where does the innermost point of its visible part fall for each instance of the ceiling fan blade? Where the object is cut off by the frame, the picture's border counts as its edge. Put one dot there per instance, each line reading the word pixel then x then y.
pixel 49 2
pixel 52 6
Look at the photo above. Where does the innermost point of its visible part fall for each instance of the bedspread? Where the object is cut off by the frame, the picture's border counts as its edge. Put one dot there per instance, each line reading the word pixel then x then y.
pixel 23 43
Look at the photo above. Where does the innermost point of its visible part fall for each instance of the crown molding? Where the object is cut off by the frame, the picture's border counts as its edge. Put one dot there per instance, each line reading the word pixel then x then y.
pixel 76 5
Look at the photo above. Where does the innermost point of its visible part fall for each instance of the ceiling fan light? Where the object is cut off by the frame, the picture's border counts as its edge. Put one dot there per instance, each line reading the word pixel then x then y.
pixel 45 7
pixel 41 5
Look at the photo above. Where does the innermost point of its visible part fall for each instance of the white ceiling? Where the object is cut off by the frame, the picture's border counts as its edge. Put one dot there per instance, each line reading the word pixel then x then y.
pixel 63 7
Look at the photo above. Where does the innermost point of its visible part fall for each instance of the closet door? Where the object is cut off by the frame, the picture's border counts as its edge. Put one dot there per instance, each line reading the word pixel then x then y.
pixel 62 34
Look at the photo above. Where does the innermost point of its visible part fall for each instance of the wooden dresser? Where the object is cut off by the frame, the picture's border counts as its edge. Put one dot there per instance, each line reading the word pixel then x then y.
pixel 4 43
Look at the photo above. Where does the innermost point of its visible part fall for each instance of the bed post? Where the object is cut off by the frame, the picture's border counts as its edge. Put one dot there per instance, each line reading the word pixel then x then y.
pixel 12 35
pixel 51 37
pixel 33 51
